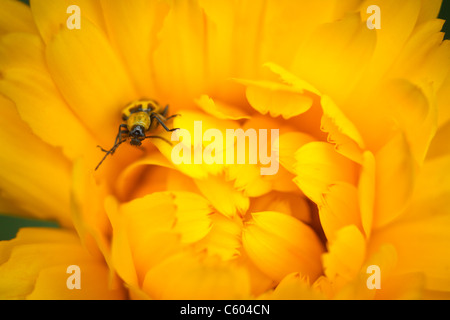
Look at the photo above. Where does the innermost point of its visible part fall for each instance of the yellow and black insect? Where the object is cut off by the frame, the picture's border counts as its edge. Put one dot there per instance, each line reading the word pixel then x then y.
pixel 139 117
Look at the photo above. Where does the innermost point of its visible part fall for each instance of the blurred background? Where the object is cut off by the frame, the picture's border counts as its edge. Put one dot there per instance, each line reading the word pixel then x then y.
pixel 10 225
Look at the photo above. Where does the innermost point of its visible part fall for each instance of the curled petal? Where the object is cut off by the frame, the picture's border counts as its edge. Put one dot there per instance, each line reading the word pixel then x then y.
pixel 339 208
pixel 294 287
pixel 223 196
pixel 276 98
pixel 139 226
pixel 35 263
pixel 318 166
pixel 341 131
pixel 220 109
pixel 345 254
pixel 184 276
pixel 279 244
pixel 224 239
pixel 288 144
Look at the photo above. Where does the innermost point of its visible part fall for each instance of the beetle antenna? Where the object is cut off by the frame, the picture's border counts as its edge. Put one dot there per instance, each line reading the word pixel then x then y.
pixel 110 151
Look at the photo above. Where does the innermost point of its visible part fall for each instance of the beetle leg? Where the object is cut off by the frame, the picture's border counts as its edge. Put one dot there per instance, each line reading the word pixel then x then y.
pixel 161 122
pixel 119 135
pixel 111 151
pixel 164 112
pixel 104 150
pixel 173 116
pixel 118 139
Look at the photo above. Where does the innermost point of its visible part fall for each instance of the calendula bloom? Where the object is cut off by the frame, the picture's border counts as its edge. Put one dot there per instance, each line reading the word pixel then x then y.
pixel 357 207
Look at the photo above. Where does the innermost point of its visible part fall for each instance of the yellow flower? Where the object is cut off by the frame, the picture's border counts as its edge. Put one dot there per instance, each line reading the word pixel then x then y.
pixel 357 209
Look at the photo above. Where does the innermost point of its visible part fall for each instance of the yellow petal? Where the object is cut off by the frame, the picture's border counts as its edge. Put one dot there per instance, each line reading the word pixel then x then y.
pixel 434 66
pixel 143 176
pixel 429 10
pixel 141 222
pixel 413 113
pixel 435 295
pixel 366 191
pixel 430 195
pixel 26 81
pixel 393 284
pixel 223 196
pixel 371 120
pixel 184 276
pixel 402 287
pixel 294 287
pixel 279 244
pixel 443 98
pixel 156 226
pixel 254 177
pixel 179 60
pixel 15 16
pixel 220 109
pixel 426 52
pixel 35 236
pixel 247 177
pixel 121 254
pixel 398 15
pixel 335 56
pixel 422 245
pixel 193 219
pixel 318 166
pixel 220 37
pixel 50 17
pixel 37 253
pixel 14 57
pixel 291 79
pixel 194 125
pixel 33 193
pixel 224 238
pixel 176 181
pixel 258 37
pixel 341 131
pixel 133 28
pixel 394 180
pixel 276 99
pixel 91 78
pixel 88 209
pixel 10 207
pixel 288 144
pixel 293 204
pixel 51 284
pixel 339 208
pixel 345 254
pixel 229 33
pixel 283 181
pixel 263 31
pixel 439 146
pixel 260 282
pixel 151 179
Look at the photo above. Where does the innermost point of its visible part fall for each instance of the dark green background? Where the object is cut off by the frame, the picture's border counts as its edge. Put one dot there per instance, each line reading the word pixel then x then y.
pixel 10 225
